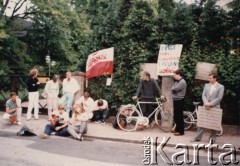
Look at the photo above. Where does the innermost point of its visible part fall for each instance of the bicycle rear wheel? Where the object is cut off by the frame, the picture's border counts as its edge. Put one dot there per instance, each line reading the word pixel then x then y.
pixel 187 117
pixel 164 119
pixel 127 118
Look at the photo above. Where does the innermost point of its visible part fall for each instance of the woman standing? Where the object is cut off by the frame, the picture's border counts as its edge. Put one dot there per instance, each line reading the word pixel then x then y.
pixel 52 90
pixel 33 94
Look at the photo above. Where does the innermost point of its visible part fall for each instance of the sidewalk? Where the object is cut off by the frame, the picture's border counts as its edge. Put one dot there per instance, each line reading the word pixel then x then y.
pixel 107 132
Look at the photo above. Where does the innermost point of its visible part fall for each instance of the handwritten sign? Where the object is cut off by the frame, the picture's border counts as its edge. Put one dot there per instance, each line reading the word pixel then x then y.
pixel 168 59
pixel 43 80
pixel 151 68
pixel 210 119
pixel 204 69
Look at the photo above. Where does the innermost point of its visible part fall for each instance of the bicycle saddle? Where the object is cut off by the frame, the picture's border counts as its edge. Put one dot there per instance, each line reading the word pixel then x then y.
pixel 196 103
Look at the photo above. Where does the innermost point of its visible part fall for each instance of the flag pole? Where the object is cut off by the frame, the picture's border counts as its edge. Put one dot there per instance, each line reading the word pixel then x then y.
pixel 86 82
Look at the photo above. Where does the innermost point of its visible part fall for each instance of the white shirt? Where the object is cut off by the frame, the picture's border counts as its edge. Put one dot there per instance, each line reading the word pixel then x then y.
pixel 62 117
pixel 52 88
pixel 70 86
pixel 104 106
pixel 213 87
pixel 88 104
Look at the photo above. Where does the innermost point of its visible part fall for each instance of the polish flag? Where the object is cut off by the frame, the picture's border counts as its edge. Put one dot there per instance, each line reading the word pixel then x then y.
pixel 100 63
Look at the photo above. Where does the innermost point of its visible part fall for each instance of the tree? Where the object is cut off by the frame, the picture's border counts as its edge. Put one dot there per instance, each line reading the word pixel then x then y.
pixel 212 29
pixel 59 30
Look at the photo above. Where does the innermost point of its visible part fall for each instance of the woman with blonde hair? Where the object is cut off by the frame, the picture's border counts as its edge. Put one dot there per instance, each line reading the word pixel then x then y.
pixel 33 94
pixel 78 124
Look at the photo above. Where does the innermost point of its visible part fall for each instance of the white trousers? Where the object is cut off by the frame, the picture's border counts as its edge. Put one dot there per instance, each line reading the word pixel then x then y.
pixel 33 99
pixel 52 103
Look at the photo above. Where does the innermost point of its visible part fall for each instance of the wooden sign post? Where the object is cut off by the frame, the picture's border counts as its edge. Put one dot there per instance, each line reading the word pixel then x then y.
pixel 168 62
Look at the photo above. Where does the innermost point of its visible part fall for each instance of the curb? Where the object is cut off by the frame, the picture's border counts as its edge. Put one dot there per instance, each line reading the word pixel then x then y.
pixel 171 145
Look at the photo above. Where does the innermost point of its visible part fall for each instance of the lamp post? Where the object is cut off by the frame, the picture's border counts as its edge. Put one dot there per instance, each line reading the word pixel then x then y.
pixel 49 62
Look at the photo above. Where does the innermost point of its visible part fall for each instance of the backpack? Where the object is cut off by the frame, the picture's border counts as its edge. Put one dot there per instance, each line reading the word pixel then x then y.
pixel 25 131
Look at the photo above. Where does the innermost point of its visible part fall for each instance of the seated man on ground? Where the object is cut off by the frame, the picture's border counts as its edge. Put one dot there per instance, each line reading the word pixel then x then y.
pixel 78 124
pixel 13 110
pixel 58 124
pixel 100 111
pixel 86 101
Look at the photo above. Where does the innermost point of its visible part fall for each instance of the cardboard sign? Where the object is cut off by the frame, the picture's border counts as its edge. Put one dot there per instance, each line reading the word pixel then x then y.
pixel 43 80
pixel 151 68
pixel 168 59
pixel 203 70
pixel 210 119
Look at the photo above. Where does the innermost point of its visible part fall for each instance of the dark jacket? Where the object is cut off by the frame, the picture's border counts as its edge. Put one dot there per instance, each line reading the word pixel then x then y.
pixel 148 89
pixel 32 84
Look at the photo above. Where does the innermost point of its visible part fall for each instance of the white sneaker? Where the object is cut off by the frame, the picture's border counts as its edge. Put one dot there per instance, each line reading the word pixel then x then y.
pixel 103 122
pixel 19 123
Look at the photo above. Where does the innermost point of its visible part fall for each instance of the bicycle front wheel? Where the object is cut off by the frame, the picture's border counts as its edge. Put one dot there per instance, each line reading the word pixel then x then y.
pixel 127 119
pixel 164 120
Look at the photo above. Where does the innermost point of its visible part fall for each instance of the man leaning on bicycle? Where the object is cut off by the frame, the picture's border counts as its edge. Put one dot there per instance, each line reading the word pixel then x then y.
pixel 146 92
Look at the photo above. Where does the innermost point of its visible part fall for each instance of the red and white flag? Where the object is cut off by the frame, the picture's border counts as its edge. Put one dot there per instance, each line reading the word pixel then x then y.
pixel 100 63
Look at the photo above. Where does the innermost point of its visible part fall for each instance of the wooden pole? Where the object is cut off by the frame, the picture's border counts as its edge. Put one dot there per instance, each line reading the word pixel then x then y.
pixel 167 83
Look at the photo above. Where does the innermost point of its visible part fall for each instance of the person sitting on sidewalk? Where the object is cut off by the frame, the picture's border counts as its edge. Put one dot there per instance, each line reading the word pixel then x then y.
pixel 13 110
pixel 100 111
pixel 58 124
pixel 78 124
pixel 86 101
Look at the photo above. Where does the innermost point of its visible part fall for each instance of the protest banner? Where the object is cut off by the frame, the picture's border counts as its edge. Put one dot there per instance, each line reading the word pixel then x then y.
pixel 151 68
pixel 168 59
pixel 100 63
pixel 204 69
pixel 210 119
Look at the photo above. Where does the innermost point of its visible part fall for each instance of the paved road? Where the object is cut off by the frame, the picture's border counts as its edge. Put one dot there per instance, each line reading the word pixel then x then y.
pixel 32 151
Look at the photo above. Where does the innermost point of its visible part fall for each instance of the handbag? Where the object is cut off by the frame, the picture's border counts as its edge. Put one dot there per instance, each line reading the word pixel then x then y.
pixel 44 94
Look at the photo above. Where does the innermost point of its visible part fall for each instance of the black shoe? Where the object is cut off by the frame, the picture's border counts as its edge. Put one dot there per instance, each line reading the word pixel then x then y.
pixel 194 140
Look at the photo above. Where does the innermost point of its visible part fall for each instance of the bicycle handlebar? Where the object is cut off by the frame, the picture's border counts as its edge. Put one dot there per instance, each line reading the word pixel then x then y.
pixel 157 100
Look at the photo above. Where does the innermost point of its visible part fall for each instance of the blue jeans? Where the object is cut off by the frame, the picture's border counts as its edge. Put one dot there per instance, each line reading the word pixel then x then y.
pixel 51 128
pixel 100 115
pixel 67 100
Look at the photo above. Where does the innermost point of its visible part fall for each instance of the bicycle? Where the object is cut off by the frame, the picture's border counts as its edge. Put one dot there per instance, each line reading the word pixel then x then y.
pixel 130 116
pixel 190 118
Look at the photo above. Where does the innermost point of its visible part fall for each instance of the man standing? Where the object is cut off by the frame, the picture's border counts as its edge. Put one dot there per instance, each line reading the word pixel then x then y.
pixel 147 90
pixel 211 96
pixel 70 87
pixel 178 93
pixel 13 109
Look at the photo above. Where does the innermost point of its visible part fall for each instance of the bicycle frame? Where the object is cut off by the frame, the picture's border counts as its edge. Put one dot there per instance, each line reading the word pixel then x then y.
pixel 138 106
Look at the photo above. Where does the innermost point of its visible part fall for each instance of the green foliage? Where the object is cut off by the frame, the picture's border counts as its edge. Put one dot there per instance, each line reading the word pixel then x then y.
pixel 71 30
